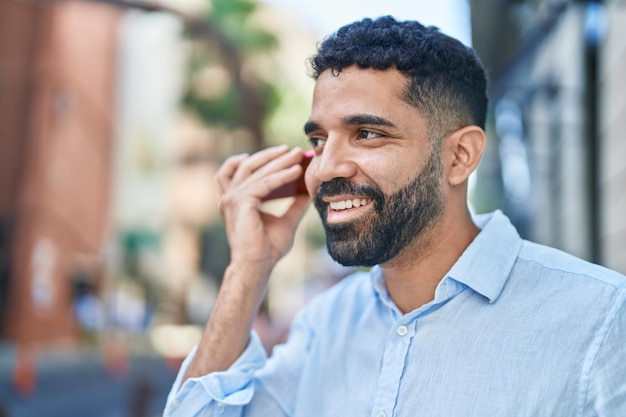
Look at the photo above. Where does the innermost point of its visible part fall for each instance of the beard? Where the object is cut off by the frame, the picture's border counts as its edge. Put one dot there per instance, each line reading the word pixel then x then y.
pixel 395 222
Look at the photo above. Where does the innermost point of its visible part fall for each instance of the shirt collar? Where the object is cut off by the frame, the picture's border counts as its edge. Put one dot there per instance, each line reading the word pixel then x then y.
pixel 378 281
pixel 486 263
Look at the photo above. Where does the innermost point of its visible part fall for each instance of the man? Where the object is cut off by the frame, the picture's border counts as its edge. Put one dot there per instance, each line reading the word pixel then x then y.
pixel 458 316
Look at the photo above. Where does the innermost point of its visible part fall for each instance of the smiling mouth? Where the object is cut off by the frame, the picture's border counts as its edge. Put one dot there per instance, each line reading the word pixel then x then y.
pixel 348 204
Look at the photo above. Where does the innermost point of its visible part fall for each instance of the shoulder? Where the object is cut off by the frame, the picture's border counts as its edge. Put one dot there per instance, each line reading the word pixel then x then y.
pixel 555 263
pixel 568 284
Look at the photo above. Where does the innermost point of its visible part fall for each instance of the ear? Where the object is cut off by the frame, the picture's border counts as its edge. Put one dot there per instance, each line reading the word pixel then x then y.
pixel 464 148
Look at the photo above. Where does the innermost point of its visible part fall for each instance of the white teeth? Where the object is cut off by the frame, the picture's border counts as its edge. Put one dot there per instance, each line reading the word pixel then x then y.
pixel 346 204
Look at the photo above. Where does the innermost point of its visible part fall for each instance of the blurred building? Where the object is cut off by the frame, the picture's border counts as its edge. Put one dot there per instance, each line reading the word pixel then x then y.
pixel 107 196
pixel 557 128
pixel 111 250
pixel 57 71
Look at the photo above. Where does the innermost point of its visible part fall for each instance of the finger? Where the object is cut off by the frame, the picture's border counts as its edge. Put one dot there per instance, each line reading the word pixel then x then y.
pixel 226 172
pixel 257 161
pixel 277 173
pixel 274 182
pixel 289 159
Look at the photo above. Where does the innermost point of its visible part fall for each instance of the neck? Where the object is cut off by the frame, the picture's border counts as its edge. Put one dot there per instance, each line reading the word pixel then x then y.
pixel 412 277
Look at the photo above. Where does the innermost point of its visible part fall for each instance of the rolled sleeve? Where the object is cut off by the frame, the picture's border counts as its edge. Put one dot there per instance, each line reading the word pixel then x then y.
pixel 218 393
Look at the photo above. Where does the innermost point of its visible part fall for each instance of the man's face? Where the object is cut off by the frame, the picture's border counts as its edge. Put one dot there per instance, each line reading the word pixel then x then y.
pixel 375 179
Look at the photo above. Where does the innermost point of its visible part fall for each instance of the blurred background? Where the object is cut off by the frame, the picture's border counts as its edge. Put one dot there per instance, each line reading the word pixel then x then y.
pixel 115 114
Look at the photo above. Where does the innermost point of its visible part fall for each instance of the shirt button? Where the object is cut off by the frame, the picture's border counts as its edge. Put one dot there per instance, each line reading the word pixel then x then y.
pixel 381 414
pixel 402 330
pixel 175 403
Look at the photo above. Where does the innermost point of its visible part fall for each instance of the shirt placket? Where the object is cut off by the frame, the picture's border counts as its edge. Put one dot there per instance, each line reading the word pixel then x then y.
pixel 394 359
pixel 398 344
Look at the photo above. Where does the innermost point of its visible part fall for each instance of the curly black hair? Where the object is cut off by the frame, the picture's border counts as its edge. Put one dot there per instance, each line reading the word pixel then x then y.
pixel 446 80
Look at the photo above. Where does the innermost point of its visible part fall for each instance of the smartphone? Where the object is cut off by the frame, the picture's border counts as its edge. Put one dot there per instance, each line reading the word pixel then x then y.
pixel 295 187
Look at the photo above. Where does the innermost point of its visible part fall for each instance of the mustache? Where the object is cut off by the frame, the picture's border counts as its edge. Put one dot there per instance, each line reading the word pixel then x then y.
pixel 338 186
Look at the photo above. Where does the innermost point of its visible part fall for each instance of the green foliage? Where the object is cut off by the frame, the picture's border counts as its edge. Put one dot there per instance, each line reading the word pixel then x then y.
pixel 232 19
pixel 271 97
pixel 240 8
pixel 223 110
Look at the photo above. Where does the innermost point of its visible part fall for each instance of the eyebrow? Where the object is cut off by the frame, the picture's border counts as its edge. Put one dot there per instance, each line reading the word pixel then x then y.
pixel 367 119
pixel 310 126
pixel 351 120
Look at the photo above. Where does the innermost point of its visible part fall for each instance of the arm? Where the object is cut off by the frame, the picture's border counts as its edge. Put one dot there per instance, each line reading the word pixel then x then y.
pixel 257 241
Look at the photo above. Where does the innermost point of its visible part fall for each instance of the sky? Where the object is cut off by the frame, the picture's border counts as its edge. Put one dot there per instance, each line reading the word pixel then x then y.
pixel 325 16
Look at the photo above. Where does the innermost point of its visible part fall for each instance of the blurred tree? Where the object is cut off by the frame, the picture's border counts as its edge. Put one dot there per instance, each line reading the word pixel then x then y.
pixel 220 90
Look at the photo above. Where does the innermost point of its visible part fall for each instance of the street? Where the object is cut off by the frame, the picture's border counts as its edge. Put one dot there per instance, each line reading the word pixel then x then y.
pixel 84 387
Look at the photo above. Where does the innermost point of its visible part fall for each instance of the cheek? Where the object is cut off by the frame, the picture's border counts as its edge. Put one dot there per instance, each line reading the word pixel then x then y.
pixel 373 168
pixel 389 173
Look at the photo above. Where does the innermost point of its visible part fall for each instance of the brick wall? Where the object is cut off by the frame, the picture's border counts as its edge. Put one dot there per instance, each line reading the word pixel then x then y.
pixel 57 68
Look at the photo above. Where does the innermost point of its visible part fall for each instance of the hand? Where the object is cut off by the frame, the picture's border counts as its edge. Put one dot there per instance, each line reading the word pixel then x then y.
pixel 259 239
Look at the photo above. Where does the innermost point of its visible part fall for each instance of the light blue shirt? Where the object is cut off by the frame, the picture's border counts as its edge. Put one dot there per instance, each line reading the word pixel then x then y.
pixel 515 329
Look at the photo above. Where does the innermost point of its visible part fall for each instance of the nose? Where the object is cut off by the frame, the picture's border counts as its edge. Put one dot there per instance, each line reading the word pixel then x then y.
pixel 334 161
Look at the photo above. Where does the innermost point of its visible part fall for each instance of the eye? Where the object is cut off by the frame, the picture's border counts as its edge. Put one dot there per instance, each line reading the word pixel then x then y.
pixel 317 141
pixel 368 134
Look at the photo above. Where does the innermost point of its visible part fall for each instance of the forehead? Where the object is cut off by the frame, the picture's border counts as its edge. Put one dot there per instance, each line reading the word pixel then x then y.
pixel 364 91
